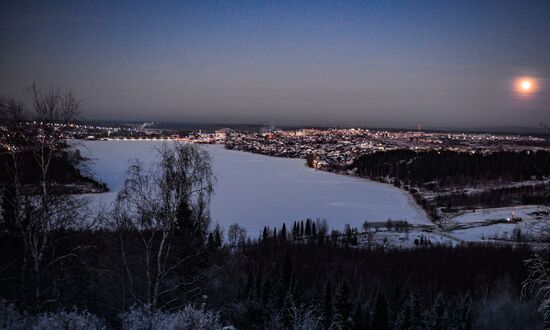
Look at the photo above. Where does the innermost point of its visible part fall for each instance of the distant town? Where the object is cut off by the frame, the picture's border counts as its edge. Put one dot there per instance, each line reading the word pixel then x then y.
pixel 324 148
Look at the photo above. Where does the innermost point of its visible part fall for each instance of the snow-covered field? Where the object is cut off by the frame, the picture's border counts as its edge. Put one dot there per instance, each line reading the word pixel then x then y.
pixel 479 226
pixel 256 190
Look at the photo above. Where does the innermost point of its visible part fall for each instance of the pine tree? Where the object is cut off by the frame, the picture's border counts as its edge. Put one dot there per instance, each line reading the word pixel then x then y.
pixel 282 234
pixel 438 316
pixel 286 273
pixel 266 292
pixel 258 283
pixel 308 228
pixel 342 306
pixel 461 318
pixel 327 307
pixel 295 230
pixel 249 285
pixel 218 236
pixel 210 244
pixel 360 319
pixel 380 314
pixel 410 315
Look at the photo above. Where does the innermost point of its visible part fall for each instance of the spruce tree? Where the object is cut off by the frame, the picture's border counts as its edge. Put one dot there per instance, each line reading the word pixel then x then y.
pixel 282 234
pixel 210 244
pixel 327 307
pixel 265 234
pixel 438 319
pixel 266 292
pixel 342 306
pixel 286 273
pixel 410 315
pixel 380 315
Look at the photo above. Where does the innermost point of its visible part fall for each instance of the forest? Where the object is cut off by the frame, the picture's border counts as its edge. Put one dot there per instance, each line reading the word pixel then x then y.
pixel 439 169
pixel 448 181
pixel 278 283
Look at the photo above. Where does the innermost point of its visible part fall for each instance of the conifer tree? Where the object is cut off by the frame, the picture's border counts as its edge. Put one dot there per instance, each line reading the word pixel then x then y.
pixel 286 273
pixel 266 292
pixel 380 314
pixel 265 234
pixel 282 234
pixel 342 306
pixel 327 307
pixel 410 315
pixel 210 243
pixel 438 319
pixel 218 236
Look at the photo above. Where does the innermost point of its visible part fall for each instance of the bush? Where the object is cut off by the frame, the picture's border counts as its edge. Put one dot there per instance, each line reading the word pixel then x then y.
pixel 10 318
pixel 188 318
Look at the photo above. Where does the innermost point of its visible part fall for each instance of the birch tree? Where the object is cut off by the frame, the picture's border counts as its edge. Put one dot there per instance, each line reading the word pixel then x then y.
pixel 166 206
pixel 35 213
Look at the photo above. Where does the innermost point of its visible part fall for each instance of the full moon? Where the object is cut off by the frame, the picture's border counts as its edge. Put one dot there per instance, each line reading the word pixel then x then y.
pixel 525 85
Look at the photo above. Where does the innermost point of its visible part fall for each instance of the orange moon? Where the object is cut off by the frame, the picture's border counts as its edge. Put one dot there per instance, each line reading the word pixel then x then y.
pixel 526 85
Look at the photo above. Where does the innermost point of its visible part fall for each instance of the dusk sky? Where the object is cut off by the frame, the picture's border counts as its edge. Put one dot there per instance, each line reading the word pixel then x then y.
pixel 365 63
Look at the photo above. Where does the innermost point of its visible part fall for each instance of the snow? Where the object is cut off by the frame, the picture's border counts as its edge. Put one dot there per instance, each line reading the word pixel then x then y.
pixel 256 190
pixel 483 215
pixel 393 239
pixel 476 227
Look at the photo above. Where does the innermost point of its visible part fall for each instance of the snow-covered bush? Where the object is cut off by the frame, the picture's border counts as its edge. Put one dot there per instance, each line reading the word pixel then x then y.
pixel 73 320
pixel 305 317
pixel 188 318
pixel 506 312
pixel 10 318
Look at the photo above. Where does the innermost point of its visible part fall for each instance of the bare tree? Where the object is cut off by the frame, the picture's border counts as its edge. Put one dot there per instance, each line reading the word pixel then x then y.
pixel 36 213
pixel 236 235
pixel 538 267
pixel 167 207
pixel 538 282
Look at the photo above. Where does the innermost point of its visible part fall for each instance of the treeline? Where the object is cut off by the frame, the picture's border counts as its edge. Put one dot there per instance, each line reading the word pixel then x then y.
pixel 312 231
pixel 64 168
pixel 283 284
pixel 279 284
pixel 495 197
pixel 436 169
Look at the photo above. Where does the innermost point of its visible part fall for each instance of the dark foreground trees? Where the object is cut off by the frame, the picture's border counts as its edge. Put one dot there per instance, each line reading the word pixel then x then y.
pixel 35 213
pixel 162 213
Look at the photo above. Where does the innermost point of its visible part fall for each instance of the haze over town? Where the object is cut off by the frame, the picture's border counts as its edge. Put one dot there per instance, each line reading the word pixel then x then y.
pixel 356 64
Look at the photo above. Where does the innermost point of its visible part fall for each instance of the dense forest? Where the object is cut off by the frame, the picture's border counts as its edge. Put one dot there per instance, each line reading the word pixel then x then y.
pixel 447 181
pixel 274 283
pixel 439 169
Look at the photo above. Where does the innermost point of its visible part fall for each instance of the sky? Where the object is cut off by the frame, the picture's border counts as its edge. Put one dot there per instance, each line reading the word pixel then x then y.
pixel 320 63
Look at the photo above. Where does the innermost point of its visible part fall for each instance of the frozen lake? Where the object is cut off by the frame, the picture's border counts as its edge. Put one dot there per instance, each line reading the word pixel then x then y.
pixel 256 190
